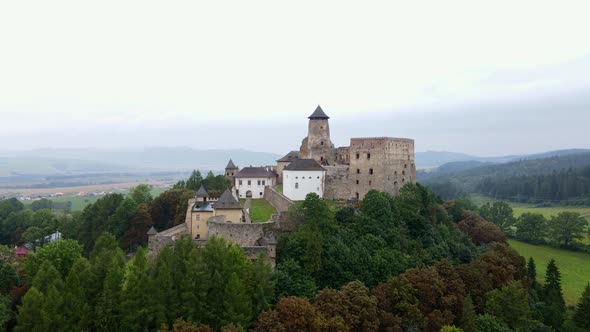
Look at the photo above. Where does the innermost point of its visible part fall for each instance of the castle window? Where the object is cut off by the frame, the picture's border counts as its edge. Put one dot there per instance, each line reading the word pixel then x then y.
pixel 197 218
pixel 249 182
pixel 358 171
pixel 395 183
pixel 357 195
pixel 405 165
pixel 403 172
pixel 318 177
pixel 357 181
pixel 322 158
pixel 296 185
pixel 310 177
pixel 403 180
pixel 322 143
pixel 368 156
pixel 358 155
pixel 370 171
pixel 370 183
pixel 258 182
pixel 240 182
pixel 263 182
pixel 260 194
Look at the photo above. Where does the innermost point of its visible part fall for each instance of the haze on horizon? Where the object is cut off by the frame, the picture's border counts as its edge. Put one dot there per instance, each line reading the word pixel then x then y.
pixel 467 76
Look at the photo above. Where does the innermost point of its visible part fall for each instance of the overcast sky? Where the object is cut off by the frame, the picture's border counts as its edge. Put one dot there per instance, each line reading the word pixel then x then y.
pixel 486 78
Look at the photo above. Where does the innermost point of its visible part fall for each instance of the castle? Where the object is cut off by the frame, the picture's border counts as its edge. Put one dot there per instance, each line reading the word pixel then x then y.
pixel 343 173
pixel 380 163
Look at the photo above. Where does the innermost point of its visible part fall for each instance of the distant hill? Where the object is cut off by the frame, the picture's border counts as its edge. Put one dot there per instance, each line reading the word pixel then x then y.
pixel 468 180
pixel 430 159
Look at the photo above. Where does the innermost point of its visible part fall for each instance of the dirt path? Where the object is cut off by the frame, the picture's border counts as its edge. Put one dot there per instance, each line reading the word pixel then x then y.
pixel 247 205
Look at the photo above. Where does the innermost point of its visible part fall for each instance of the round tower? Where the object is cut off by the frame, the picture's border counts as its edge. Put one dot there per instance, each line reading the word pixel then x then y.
pixel 317 145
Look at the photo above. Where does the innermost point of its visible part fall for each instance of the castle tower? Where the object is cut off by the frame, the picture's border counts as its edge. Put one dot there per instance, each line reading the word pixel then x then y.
pixel 230 171
pixel 317 145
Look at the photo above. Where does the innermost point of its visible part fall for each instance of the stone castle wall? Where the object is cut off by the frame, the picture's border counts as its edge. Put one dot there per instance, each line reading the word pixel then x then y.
pixel 279 201
pixel 242 234
pixel 381 163
pixel 337 181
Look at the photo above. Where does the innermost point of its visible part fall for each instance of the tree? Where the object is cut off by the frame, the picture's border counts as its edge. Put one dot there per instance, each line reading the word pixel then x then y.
pixel 77 313
pixel 30 313
pixel 566 228
pixel 479 230
pixel 236 304
pixel 510 304
pixel 5 311
pixel 46 278
pixel 531 228
pixel 531 270
pixel 489 323
pixel 139 225
pixel 142 194
pixel 499 213
pixel 554 308
pixel 293 281
pixel 468 316
pixel 119 221
pixel 362 307
pixel 297 314
pixel 137 305
pixel 8 277
pixel 62 254
pixel 582 313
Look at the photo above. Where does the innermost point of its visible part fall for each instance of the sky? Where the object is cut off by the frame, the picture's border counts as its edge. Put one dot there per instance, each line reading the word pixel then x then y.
pixel 480 77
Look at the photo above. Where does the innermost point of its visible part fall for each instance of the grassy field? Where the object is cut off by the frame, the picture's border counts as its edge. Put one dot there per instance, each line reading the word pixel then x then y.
pixel 574 267
pixel 79 203
pixel 260 210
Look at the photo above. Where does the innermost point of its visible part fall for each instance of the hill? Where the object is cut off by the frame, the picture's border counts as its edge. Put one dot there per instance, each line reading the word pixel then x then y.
pixel 471 180
pixel 430 159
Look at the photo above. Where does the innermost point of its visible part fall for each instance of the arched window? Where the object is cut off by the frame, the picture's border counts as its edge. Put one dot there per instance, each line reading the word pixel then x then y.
pixel 358 171
pixel 370 171
pixel 296 185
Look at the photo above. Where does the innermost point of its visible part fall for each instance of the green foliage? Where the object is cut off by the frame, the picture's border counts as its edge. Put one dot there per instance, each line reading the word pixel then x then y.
pixel 531 270
pixel 582 313
pixel 62 254
pixel 448 328
pixel 212 183
pixel 499 213
pixel 510 305
pixel 29 318
pixel 468 316
pixel 5 311
pixel 567 227
pixel 488 323
pixel 8 277
pixel 554 304
pixel 142 194
pixel 531 228
pixel 93 220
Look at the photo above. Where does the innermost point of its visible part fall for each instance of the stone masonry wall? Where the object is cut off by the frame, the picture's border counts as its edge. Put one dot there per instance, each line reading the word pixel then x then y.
pixel 242 234
pixel 337 182
pixel 381 163
pixel 279 201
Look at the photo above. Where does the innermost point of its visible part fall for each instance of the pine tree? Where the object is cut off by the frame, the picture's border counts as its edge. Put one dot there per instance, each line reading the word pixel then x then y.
pixel 531 270
pixel 137 307
pixel 30 312
pixel 46 277
pixel 52 316
pixel 582 314
pixel 468 316
pixel 237 304
pixel 554 307
pixel 76 312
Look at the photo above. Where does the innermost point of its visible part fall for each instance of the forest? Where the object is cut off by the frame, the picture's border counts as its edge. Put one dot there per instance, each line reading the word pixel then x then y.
pixel 408 263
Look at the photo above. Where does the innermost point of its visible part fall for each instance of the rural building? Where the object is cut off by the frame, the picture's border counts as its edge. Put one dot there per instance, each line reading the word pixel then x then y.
pixel 251 181
pixel 301 177
pixel 284 162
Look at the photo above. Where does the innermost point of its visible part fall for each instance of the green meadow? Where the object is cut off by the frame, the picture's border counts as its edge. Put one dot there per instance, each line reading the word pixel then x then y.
pixel 574 267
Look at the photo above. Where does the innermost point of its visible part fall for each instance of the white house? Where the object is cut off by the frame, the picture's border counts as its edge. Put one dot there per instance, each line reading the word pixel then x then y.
pixel 250 181
pixel 301 177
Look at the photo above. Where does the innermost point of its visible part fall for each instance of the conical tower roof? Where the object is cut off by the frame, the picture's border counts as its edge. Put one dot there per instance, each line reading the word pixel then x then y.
pixel 152 231
pixel 318 114
pixel 227 201
pixel 231 165
pixel 202 192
